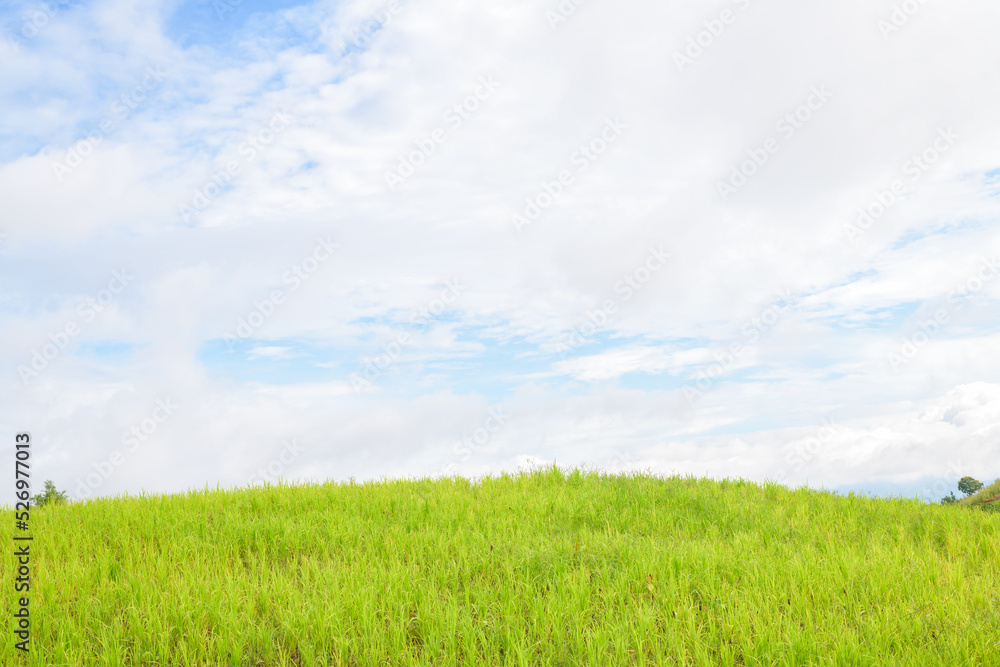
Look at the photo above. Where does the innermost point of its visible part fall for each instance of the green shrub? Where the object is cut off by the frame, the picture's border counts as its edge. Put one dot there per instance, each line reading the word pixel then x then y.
pixel 50 495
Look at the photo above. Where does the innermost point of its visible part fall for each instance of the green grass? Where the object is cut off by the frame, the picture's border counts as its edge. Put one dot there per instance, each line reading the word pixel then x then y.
pixel 539 568
pixel 985 493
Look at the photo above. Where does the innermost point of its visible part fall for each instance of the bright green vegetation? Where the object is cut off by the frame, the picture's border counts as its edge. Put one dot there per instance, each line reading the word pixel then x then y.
pixel 50 495
pixel 540 568
pixel 984 494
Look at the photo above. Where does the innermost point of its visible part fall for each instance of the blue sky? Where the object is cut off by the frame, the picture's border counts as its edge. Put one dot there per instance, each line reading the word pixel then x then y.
pixel 371 227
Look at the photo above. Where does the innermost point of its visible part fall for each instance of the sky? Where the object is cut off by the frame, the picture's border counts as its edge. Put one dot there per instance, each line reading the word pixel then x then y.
pixel 251 241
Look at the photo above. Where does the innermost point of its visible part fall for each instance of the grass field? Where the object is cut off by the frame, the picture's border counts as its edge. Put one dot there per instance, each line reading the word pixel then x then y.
pixel 540 568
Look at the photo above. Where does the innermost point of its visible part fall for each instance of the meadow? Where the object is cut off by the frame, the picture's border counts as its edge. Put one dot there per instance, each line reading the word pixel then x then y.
pixel 543 567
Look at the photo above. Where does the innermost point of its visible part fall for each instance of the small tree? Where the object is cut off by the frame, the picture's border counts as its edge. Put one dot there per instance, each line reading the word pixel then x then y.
pixel 50 495
pixel 949 499
pixel 968 485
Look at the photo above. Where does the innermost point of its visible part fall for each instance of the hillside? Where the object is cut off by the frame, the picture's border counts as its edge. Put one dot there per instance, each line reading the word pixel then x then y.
pixel 539 568
pixel 987 497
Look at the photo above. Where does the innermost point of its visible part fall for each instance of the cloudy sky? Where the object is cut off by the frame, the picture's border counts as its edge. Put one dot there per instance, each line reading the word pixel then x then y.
pixel 247 240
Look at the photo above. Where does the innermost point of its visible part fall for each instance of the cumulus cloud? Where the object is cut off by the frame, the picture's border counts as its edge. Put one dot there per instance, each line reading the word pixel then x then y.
pixel 823 179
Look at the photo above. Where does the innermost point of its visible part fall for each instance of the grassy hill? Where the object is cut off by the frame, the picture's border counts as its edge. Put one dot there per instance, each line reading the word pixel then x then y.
pixel 539 568
pixel 987 497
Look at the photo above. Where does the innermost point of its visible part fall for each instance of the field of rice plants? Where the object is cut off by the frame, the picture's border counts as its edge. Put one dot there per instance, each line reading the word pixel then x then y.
pixel 544 567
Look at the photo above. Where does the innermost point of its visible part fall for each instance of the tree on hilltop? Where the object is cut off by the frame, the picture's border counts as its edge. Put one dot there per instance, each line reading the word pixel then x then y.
pixel 968 485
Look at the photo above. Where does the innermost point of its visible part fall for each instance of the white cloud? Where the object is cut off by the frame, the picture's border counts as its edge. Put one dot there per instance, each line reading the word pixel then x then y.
pixel 270 352
pixel 354 114
pixel 619 361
